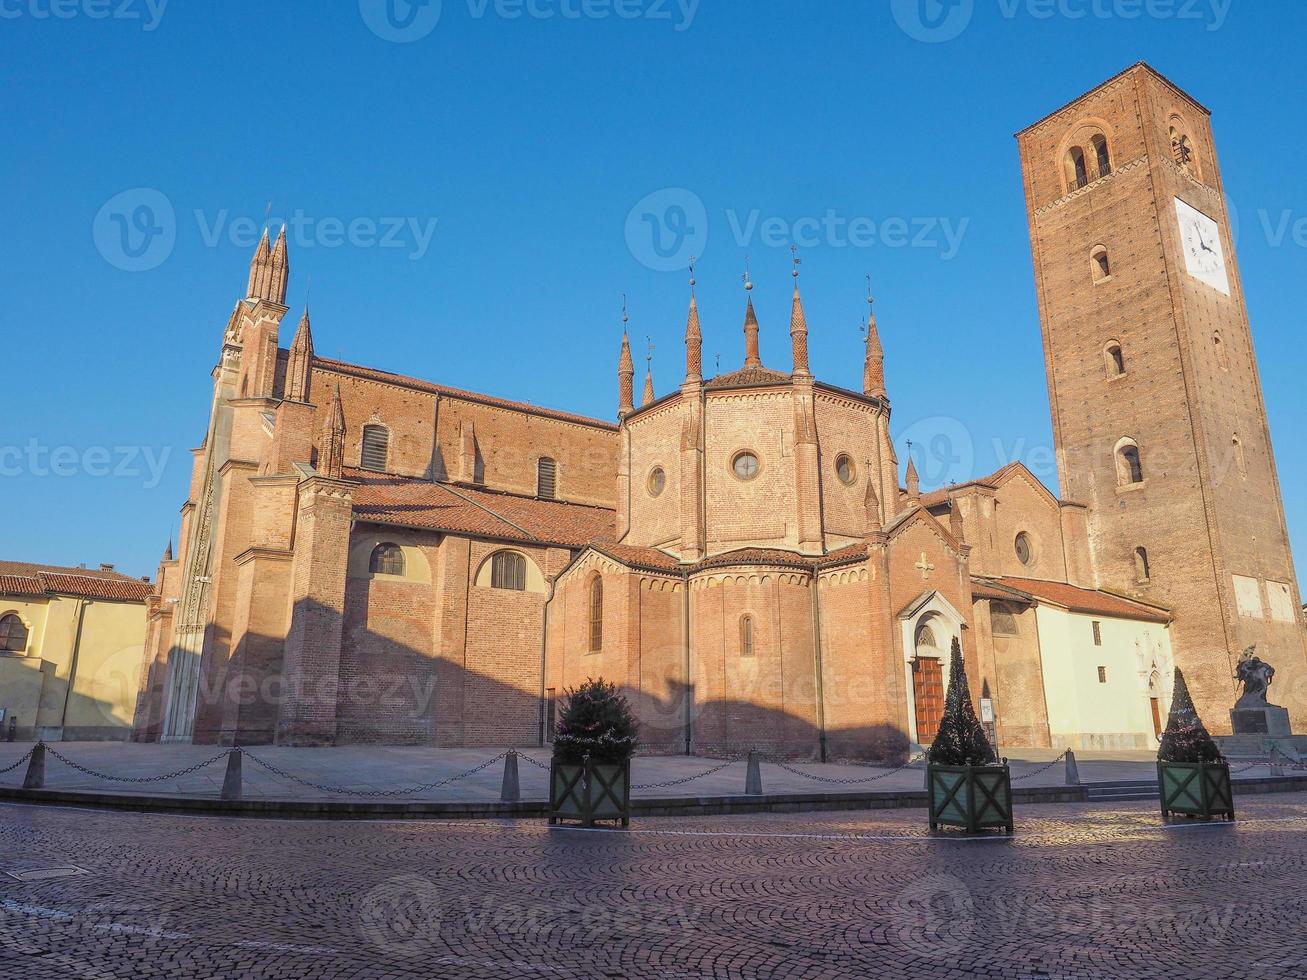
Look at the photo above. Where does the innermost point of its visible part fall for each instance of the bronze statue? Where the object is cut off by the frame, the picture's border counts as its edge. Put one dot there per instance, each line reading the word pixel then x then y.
pixel 1256 675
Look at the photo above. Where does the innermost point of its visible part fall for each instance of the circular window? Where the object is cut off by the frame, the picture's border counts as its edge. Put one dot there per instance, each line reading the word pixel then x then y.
pixel 1025 549
pixel 845 470
pixel 657 482
pixel 745 465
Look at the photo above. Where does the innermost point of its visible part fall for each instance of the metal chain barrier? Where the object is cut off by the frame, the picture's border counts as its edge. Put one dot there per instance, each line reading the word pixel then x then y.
pixel 25 756
pixel 1036 772
pixel 687 779
pixel 137 779
pixel 374 793
pixel 848 781
pixel 538 765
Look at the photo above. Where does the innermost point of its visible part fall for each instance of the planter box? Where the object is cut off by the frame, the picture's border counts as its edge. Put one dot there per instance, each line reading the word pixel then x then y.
pixel 973 797
pixel 1195 789
pixel 590 791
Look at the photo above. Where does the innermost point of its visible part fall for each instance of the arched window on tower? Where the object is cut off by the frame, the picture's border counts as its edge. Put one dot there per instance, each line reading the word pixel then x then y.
pixel 1102 155
pixel 746 636
pixel 1077 170
pixel 1222 355
pixel 375 448
pixel 1182 150
pixel 1240 461
pixel 1143 572
pixel 1114 359
pixel 1129 465
pixel 546 478
pixel 387 559
pixel 1100 264
pixel 596 614
pixel 13 634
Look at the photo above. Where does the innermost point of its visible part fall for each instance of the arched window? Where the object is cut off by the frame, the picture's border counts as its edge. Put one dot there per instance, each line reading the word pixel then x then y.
pixel 546 478
pixel 596 614
pixel 1100 264
pixel 1102 155
pixel 1181 149
pixel 387 559
pixel 746 636
pixel 1004 620
pixel 13 634
pixel 1142 570
pixel 1222 355
pixel 1077 170
pixel 376 447
pixel 1115 359
pixel 1239 459
pixel 508 571
pixel 1129 467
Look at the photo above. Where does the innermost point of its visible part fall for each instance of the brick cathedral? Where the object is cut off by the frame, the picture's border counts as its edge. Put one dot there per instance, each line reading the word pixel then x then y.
pixel 367 557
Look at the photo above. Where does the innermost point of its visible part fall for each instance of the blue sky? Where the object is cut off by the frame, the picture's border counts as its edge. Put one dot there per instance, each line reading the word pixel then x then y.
pixel 463 197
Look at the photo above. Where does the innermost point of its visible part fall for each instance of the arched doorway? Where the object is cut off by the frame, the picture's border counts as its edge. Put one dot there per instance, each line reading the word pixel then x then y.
pixel 928 676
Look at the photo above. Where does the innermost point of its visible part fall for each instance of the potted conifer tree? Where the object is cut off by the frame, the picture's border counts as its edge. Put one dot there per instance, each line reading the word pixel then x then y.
pixel 1192 775
pixel 590 777
pixel 968 785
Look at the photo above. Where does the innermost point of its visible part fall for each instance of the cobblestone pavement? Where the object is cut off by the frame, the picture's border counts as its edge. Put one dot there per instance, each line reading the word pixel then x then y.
pixel 360 770
pixel 1083 893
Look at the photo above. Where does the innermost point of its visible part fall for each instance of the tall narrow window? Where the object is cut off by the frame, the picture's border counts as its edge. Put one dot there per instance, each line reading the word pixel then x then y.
pixel 1102 155
pixel 387 559
pixel 508 571
pixel 1077 171
pixel 1240 460
pixel 13 634
pixel 746 636
pixel 596 615
pixel 376 447
pixel 546 478
pixel 1102 266
pixel 1142 570
pixel 1129 466
pixel 1115 359
pixel 1098 633
pixel 1181 149
pixel 1222 356
pixel 1102 675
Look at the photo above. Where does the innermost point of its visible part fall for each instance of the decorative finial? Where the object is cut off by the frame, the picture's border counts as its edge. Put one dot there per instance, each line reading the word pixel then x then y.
pixel 794 257
pixel 717 359
pixel 648 355
pixel 748 283
pixel 625 318
pixel 871 300
pixel 692 280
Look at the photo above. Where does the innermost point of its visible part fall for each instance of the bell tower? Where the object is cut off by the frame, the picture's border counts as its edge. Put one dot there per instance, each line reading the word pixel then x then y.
pixel 1158 416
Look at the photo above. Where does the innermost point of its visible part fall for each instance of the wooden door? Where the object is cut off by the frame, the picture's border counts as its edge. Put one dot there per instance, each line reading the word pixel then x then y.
pixel 928 695
pixel 1157 716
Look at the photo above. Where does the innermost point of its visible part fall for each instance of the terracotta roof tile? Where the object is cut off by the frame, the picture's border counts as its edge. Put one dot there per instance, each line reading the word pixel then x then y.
pixel 20 585
pixel 26 578
pixel 748 377
pixel 651 558
pixel 472 511
pixel 1088 600
pixel 756 556
pixel 387 377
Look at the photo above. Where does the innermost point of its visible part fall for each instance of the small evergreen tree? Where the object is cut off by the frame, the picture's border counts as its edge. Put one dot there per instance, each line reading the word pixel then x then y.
pixel 961 740
pixel 595 720
pixel 1186 738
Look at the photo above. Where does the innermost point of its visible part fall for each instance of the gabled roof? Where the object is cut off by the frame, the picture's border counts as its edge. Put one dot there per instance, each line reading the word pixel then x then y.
pixel 403 381
pixel 1076 599
pixel 20 578
pixel 424 504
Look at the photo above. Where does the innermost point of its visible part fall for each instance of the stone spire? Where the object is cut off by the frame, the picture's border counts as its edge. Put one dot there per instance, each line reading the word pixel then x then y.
pixel 693 337
pixel 270 270
pixel 625 373
pixel 871 501
pixel 913 480
pixel 300 362
pixel 331 457
pixel 167 552
pixel 873 368
pixel 751 358
pixel 648 378
pixel 798 324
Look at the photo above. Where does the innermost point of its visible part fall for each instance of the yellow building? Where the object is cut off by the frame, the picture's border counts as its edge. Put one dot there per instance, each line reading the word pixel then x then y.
pixel 71 642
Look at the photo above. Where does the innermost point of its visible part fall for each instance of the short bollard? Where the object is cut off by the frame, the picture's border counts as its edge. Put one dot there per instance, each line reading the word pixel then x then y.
pixel 1277 761
pixel 753 777
pixel 231 782
pixel 512 788
pixel 35 778
pixel 1072 770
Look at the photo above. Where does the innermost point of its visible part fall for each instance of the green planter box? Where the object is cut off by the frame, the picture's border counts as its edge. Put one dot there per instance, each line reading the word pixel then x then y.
pixel 1195 789
pixel 590 791
pixel 973 797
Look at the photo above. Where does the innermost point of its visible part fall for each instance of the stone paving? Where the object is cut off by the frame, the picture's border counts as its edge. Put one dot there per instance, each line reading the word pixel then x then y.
pixel 368 769
pixel 1107 892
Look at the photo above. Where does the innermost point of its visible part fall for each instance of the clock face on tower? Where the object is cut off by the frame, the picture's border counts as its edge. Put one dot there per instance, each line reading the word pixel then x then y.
pixel 1201 240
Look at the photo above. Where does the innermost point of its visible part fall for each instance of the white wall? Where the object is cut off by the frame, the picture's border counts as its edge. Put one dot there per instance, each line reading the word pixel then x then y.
pixel 1084 713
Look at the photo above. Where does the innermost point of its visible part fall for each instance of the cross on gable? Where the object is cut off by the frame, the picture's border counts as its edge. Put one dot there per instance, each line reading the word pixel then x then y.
pixel 924 566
